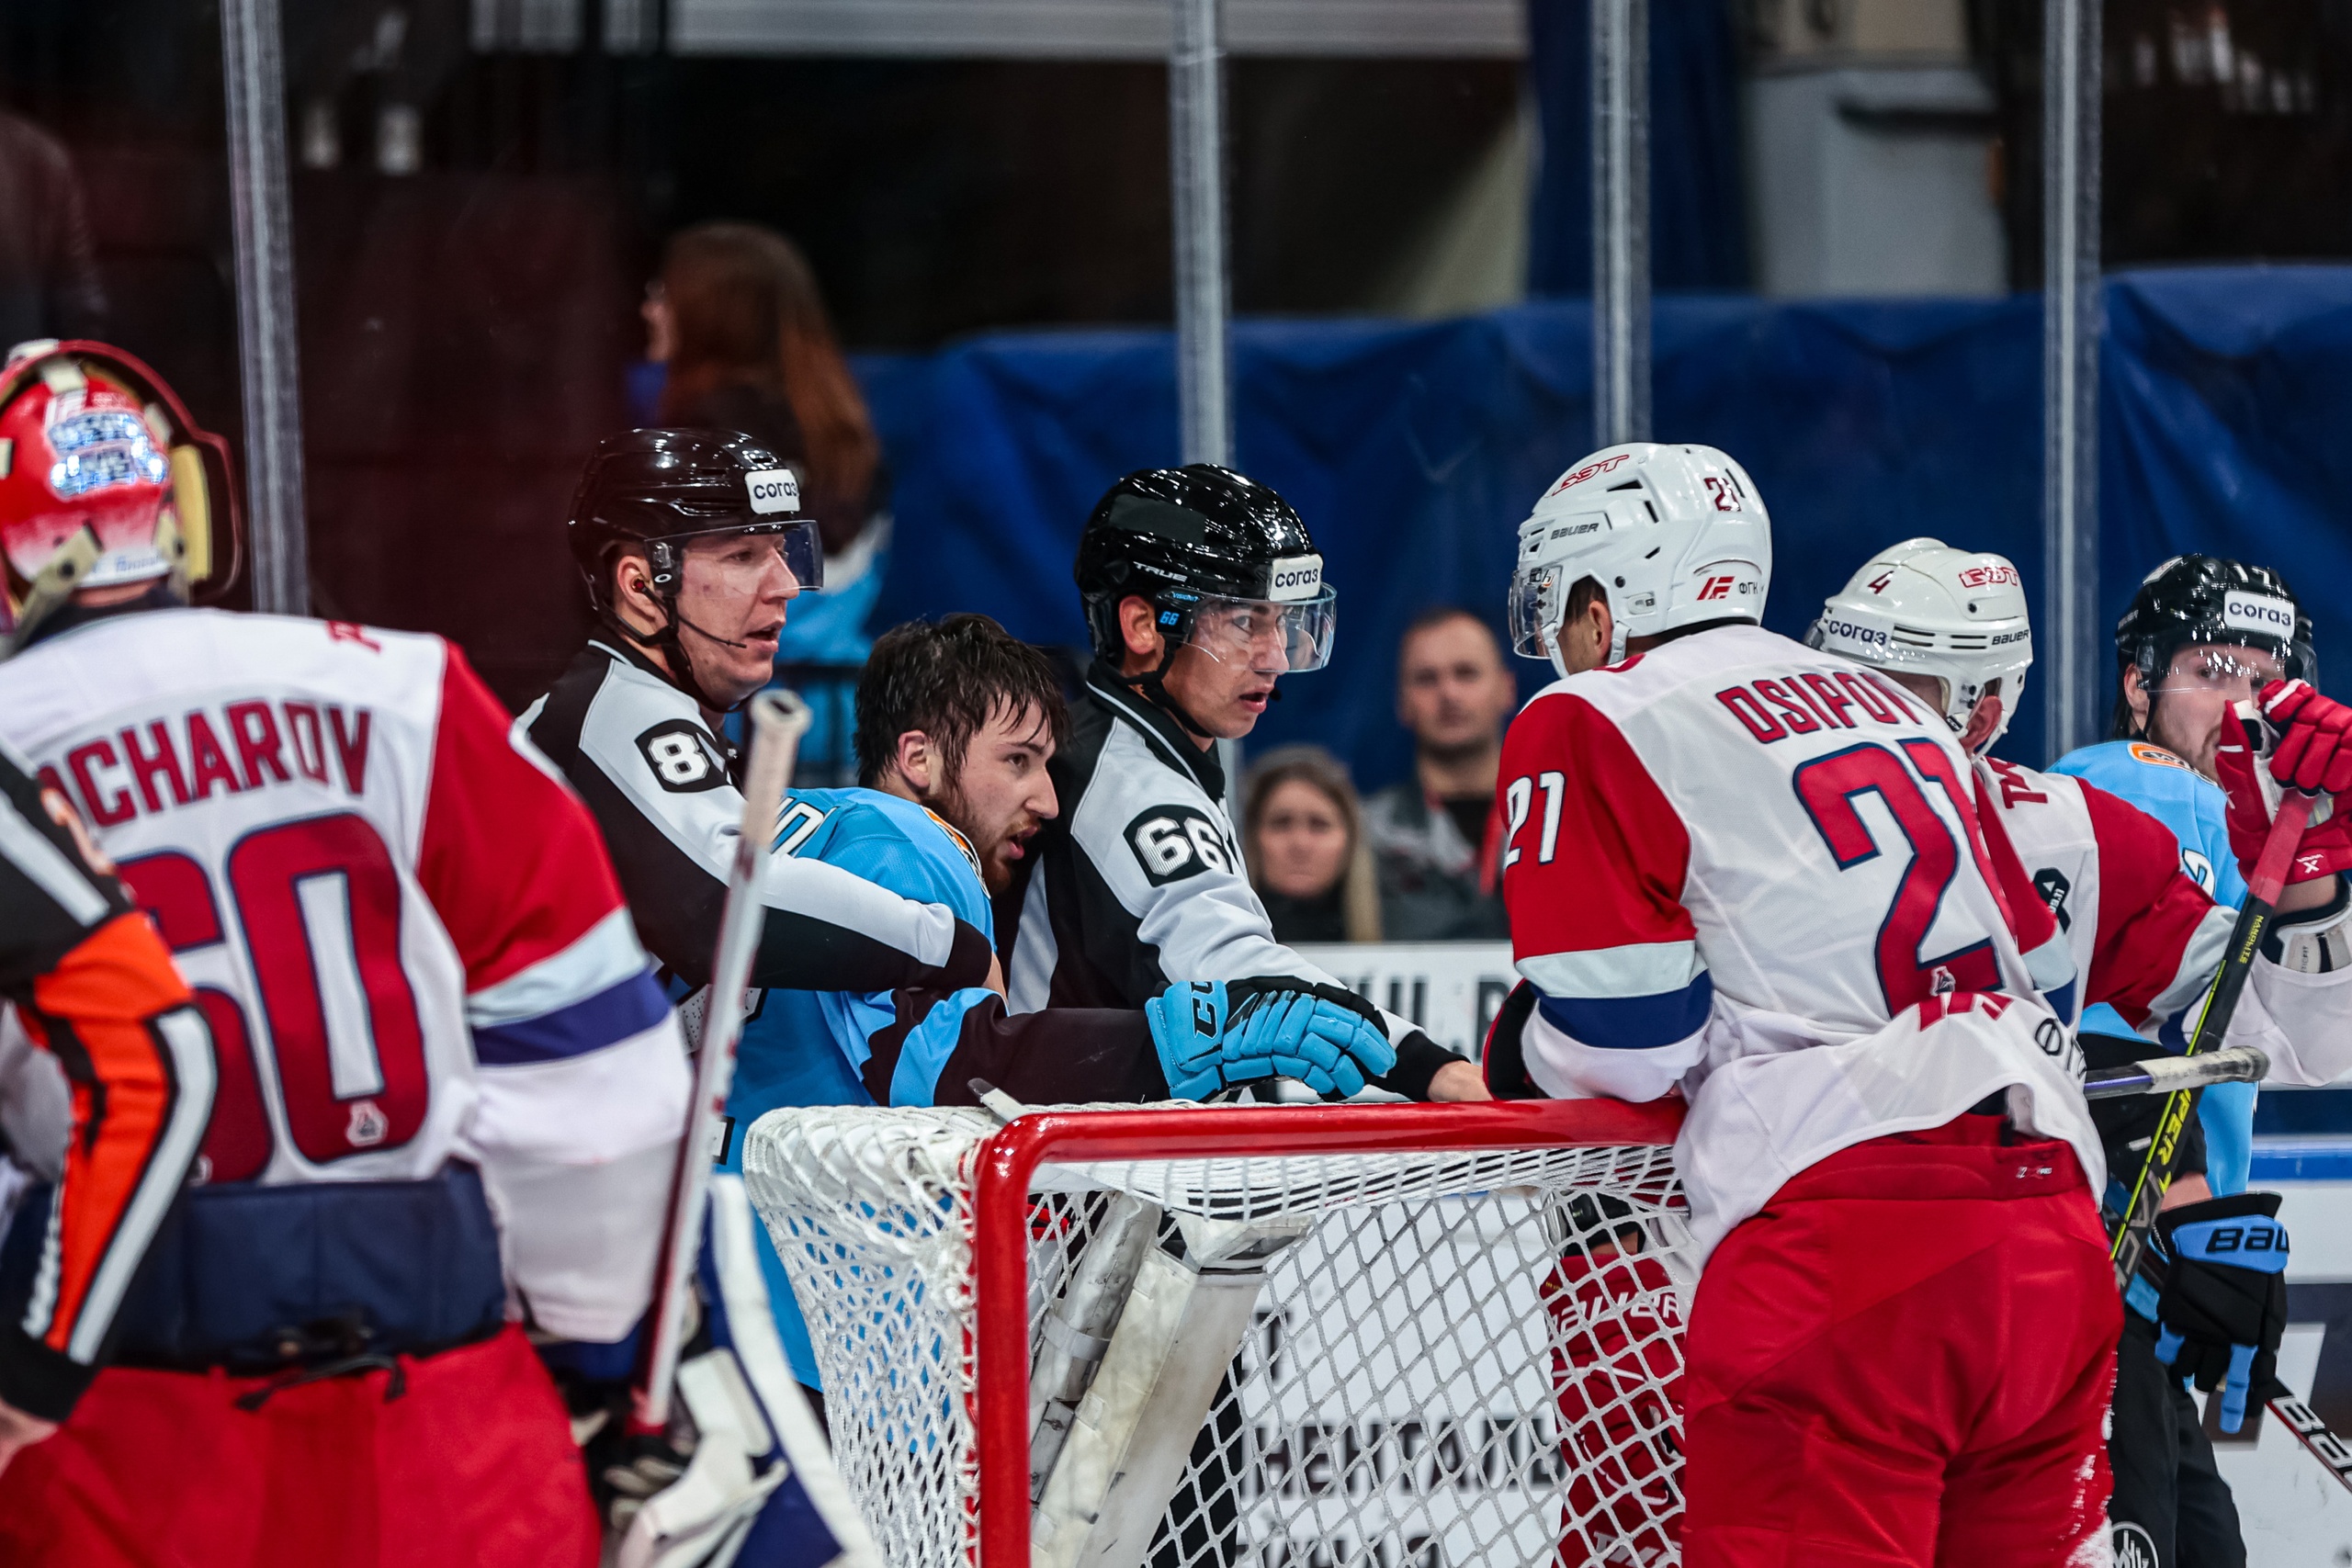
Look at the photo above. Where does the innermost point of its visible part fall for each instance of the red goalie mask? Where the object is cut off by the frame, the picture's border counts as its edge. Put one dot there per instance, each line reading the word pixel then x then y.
pixel 105 480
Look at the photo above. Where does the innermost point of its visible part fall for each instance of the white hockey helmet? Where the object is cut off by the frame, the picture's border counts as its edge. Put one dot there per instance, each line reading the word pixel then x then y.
pixel 1923 608
pixel 1674 535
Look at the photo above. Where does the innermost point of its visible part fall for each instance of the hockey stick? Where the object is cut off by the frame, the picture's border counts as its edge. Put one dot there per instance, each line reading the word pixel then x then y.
pixel 777 719
pixel 2165 1075
pixel 2130 1228
pixel 2128 1232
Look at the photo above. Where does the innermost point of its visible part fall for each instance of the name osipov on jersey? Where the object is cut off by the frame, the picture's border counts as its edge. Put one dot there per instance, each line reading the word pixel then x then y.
pixel 1773 710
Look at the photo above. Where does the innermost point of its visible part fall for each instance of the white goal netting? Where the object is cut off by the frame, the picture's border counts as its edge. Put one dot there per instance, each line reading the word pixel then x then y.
pixel 1425 1356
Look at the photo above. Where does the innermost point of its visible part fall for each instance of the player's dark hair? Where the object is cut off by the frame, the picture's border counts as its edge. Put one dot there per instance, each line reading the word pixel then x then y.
pixel 1582 594
pixel 945 678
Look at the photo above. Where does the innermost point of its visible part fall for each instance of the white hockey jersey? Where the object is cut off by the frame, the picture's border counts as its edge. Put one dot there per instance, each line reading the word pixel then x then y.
pixel 402 924
pixel 1758 874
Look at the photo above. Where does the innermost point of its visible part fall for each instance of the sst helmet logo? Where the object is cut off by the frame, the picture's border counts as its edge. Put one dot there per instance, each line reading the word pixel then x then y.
pixel 1986 576
pixel 1587 471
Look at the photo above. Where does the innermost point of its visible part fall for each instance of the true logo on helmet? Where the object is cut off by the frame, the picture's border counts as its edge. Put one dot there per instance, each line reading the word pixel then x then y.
pixel 774 490
pixel 1297 577
pixel 2265 612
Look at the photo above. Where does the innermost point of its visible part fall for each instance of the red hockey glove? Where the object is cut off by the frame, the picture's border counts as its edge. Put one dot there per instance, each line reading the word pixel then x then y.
pixel 2314 751
pixel 2288 735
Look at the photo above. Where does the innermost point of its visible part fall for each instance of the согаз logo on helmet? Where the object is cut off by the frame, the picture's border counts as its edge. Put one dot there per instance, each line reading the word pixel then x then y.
pixel 774 490
pixel 2258 612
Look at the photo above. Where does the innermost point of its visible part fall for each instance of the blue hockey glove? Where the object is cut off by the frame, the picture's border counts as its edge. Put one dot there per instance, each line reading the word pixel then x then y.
pixel 2225 1301
pixel 1215 1035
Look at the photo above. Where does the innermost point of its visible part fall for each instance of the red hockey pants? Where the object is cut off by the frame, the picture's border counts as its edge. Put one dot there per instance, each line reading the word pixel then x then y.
pixel 472 1467
pixel 1905 1359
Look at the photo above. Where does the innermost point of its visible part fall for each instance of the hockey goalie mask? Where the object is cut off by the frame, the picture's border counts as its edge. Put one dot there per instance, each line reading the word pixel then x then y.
pixel 1675 535
pixel 1921 608
pixel 105 481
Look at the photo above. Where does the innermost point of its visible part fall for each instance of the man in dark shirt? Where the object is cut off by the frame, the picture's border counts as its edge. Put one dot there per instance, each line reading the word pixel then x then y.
pixel 1432 834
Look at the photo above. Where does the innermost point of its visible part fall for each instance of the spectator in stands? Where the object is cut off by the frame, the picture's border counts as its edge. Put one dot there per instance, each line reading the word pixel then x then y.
pixel 1435 836
pixel 737 318
pixel 49 278
pixel 1302 830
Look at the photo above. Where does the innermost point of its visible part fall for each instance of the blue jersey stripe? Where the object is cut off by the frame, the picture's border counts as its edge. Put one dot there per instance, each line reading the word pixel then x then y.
pixel 1632 1023
pixel 612 1015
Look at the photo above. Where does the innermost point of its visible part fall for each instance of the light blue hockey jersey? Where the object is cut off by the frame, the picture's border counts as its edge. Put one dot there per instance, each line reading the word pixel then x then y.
pixel 817 1048
pixel 2197 811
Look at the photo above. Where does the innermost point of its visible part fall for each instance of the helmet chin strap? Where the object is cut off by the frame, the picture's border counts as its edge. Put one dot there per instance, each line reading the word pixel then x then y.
pixel 1152 686
pixel 677 664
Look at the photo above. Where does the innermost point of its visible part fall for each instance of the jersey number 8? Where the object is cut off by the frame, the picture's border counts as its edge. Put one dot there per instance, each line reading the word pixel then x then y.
pixel 319 902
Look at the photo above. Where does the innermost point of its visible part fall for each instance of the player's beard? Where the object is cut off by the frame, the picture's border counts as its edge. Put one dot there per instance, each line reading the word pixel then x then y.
pixel 951 803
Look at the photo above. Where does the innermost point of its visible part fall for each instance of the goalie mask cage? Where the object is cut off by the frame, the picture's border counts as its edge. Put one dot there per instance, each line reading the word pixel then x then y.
pixel 1452 1337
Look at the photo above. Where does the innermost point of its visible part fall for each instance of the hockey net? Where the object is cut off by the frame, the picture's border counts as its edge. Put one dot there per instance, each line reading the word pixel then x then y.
pixel 1462 1344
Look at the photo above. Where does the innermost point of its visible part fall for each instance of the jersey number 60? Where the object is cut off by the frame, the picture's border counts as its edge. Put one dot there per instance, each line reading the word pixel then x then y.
pixel 320 903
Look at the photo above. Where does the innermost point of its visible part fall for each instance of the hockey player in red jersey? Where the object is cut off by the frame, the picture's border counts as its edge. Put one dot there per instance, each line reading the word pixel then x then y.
pixel 450 1092
pixel 1744 870
pixel 2145 935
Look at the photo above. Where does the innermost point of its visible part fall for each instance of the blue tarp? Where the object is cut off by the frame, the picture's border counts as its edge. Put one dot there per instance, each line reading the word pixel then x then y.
pixel 1698 204
pixel 1413 452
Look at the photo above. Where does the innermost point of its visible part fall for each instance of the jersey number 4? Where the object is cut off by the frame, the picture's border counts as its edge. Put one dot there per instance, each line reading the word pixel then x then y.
pixel 1829 788
pixel 319 901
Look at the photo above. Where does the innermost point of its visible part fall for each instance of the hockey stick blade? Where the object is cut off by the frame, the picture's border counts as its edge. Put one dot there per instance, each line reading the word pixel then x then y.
pixel 776 720
pixel 2163 1075
pixel 2315 1434
pixel 2127 1237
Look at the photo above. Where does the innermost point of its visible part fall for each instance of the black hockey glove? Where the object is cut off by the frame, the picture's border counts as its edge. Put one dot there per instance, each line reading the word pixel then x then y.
pixel 2225 1301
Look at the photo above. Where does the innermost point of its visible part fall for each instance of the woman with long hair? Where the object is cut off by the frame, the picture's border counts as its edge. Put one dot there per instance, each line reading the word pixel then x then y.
pixel 736 317
pixel 1302 832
